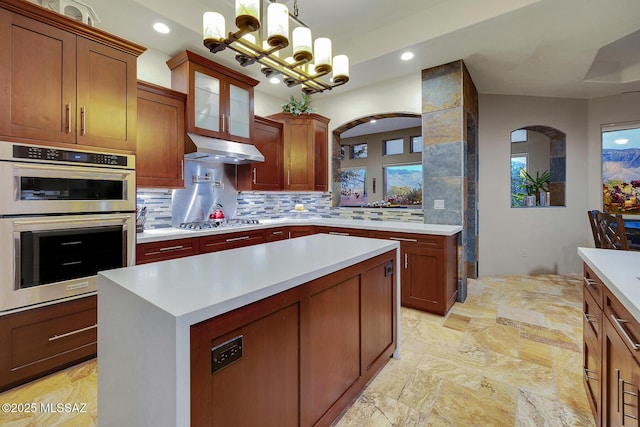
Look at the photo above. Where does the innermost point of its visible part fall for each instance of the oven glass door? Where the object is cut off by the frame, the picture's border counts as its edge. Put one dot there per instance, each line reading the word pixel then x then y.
pixel 43 189
pixel 47 258
pixel 57 255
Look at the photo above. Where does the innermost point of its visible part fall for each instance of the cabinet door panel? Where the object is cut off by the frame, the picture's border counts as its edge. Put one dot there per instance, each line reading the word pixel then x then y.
pixel 334 326
pixel 107 109
pixel 37 80
pixel 377 309
pixel 422 277
pixel 239 112
pixel 269 362
pixel 268 175
pixel 206 98
pixel 160 141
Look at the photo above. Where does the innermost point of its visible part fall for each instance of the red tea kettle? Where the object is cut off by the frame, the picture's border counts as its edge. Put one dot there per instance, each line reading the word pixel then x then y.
pixel 217 214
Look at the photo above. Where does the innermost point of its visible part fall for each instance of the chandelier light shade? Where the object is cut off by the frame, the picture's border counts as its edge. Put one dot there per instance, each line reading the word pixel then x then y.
pixel 308 63
pixel 322 49
pixel 213 27
pixel 248 14
pixel 302 44
pixel 278 25
pixel 340 69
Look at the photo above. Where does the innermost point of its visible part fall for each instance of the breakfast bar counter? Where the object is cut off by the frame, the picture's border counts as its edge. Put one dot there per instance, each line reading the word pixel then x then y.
pixel 147 314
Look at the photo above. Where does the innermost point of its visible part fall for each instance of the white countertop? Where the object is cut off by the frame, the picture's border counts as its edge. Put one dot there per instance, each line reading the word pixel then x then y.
pixel 161 234
pixel 199 287
pixel 619 271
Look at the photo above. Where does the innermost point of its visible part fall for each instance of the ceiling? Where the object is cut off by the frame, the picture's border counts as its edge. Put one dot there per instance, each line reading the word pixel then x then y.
pixel 558 48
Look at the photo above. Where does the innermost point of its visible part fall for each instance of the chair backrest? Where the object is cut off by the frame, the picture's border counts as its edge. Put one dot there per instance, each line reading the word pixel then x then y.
pixel 594 227
pixel 611 231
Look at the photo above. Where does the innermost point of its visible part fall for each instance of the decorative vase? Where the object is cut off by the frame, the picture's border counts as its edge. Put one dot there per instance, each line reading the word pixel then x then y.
pixel 529 201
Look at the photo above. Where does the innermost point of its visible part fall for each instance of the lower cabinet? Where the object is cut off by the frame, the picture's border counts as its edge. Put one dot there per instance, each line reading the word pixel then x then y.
pixel 301 230
pixel 166 249
pixel 42 340
pixel 299 357
pixel 221 242
pixel 611 356
pixel 429 270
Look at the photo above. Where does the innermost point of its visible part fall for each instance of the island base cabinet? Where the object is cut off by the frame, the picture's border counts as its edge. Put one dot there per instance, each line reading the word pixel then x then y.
pixel 304 355
pixel 261 387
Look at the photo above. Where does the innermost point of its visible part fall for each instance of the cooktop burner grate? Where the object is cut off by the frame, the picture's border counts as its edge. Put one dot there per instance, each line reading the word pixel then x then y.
pixel 203 225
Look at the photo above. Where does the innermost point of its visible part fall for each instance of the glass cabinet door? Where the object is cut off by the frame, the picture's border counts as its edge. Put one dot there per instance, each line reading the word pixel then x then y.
pixel 207 102
pixel 239 111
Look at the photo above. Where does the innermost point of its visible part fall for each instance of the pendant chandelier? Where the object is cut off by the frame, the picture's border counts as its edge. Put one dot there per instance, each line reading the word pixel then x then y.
pixel 309 64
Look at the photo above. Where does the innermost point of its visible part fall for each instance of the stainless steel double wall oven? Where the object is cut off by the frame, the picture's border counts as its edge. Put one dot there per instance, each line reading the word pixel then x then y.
pixel 64 216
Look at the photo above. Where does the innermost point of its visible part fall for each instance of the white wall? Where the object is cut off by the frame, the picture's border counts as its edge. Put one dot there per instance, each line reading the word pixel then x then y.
pixel 530 240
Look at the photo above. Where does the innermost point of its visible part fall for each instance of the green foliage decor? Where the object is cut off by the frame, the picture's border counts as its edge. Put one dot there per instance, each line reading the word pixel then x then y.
pixel 297 107
pixel 534 185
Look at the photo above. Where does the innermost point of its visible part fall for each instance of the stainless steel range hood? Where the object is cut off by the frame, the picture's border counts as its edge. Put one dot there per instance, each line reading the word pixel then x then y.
pixel 220 150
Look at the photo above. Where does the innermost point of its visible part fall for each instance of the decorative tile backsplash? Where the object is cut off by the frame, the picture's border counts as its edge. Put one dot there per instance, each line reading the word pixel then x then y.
pixel 271 205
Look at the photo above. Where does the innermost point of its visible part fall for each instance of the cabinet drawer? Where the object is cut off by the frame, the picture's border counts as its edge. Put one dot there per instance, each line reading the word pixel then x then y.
pixel 275 234
pixel 593 285
pixel 344 231
pixel 168 249
pixel 425 240
pixel 627 327
pixel 230 241
pixel 41 340
pixel 591 318
pixel 301 230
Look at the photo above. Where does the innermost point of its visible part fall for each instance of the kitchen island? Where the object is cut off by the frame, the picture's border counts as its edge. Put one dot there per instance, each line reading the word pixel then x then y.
pixel 318 312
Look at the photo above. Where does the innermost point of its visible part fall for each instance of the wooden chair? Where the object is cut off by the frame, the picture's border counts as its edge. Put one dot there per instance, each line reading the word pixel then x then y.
pixel 611 231
pixel 594 227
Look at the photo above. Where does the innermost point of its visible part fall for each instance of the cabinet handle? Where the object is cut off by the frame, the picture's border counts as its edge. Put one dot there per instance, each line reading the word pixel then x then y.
pixel 254 176
pixel 83 120
pixel 57 337
pixel 590 371
pixel 618 323
pixel 171 248
pixel 182 169
pixel 223 123
pixel 403 239
pixel 374 186
pixel 406 260
pixel 337 233
pixel 590 282
pixel 277 232
pixel 289 177
pixel 235 239
pixel 590 318
pixel 69 118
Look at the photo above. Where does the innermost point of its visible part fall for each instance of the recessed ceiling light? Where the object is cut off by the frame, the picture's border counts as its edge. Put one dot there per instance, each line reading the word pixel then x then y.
pixel 621 141
pixel 372 121
pixel 161 28
pixel 406 56
pixel 274 80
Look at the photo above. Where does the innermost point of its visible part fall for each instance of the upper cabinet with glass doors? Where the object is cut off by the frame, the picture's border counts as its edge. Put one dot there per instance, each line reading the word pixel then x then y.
pixel 219 100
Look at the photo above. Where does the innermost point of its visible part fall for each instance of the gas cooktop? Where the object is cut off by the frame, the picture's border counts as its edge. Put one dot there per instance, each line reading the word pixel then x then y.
pixel 203 225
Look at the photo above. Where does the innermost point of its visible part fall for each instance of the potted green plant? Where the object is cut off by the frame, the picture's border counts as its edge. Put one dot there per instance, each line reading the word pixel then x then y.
pixel 297 107
pixel 534 186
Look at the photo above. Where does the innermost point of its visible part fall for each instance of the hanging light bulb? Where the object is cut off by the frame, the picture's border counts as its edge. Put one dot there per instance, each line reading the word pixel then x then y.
pixel 340 69
pixel 322 49
pixel 302 44
pixel 213 29
pixel 278 25
pixel 248 14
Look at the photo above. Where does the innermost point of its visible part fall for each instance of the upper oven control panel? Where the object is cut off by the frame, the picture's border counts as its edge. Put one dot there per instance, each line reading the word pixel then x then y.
pixel 55 155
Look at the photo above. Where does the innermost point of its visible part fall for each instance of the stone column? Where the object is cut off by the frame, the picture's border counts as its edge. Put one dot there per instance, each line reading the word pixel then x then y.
pixel 449 160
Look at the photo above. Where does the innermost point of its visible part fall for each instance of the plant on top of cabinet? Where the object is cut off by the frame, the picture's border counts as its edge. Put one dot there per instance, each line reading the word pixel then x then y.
pixel 219 99
pixel 87 95
pixel 297 107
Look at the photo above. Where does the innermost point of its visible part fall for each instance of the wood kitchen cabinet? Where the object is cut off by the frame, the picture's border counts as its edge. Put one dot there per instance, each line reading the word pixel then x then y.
pixel 267 175
pixel 42 340
pixel 611 355
pixel 276 234
pixel 219 99
pixel 429 270
pixel 221 242
pixel 160 140
pixel 63 82
pixel 344 231
pixel 295 358
pixel 166 249
pixel 305 151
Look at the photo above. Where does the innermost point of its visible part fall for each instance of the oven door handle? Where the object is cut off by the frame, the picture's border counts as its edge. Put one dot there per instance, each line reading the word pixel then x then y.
pixel 44 223
pixel 64 171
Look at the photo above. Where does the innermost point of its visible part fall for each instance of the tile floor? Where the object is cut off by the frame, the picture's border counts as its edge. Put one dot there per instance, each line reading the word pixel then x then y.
pixel 509 356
